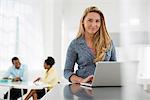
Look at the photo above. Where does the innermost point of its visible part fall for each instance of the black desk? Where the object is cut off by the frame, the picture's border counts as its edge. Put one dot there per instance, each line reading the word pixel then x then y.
pixel 77 92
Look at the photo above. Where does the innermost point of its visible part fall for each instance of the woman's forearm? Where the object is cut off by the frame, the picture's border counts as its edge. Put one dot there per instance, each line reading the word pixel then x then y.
pixel 76 79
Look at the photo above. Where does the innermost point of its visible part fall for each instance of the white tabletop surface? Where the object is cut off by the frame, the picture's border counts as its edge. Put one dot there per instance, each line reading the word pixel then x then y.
pixel 24 85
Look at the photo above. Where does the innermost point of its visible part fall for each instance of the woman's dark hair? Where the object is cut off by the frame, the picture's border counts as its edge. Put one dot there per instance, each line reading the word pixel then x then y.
pixel 50 61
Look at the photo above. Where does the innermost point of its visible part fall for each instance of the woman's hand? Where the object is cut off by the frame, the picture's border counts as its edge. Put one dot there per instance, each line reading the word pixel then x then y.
pixel 87 79
pixel 76 79
pixel 16 79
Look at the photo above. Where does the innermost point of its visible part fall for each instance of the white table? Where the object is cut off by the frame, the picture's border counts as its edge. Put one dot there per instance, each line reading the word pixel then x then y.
pixel 23 85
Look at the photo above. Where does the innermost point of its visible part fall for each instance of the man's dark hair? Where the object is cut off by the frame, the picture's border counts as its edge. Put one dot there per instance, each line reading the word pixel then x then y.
pixel 15 58
pixel 50 61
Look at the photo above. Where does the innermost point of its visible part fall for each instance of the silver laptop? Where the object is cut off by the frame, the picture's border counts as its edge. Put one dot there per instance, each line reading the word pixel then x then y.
pixel 106 74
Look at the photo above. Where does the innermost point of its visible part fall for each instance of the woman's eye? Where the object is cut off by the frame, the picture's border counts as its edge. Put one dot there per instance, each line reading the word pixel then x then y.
pixel 97 21
pixel 90 20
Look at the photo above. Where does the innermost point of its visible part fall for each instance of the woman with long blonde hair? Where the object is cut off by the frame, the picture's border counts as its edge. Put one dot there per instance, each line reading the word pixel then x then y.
pixel 91 45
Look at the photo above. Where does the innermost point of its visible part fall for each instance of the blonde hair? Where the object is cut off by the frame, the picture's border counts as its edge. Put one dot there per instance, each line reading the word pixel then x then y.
pixel 101 39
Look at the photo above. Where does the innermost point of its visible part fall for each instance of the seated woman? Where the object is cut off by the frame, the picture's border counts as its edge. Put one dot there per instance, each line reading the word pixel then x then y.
pixel 50 78
pixel 92 44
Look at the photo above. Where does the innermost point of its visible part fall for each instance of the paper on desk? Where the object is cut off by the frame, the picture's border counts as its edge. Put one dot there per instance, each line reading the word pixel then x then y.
pixel 38 83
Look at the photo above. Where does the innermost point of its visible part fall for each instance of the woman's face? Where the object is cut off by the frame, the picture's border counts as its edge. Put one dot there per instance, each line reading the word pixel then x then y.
pixel 92 23
pixel 46 66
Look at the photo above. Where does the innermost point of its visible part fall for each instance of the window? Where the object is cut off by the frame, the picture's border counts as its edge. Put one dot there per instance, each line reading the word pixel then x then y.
pixel 21 33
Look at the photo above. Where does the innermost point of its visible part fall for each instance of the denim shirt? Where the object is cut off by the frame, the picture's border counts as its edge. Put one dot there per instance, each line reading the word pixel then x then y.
pixel 78 52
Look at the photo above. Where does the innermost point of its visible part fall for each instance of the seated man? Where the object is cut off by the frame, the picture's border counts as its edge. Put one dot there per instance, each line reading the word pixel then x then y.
pixel 18 73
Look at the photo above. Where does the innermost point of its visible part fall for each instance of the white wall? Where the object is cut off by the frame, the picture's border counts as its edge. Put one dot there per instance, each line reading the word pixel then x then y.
pixel 135 32
pixel 47 17
pixel 52 23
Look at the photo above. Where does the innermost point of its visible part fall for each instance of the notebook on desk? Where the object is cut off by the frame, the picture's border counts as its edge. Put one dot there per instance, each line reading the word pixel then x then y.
pixel 106 74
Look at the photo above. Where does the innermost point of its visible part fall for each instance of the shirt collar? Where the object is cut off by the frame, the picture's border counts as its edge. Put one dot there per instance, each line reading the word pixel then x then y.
pixel 19 68
pixel 81 40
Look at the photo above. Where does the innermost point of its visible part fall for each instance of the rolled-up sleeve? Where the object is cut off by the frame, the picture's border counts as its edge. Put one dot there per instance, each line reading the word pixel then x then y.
pixel 71 58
